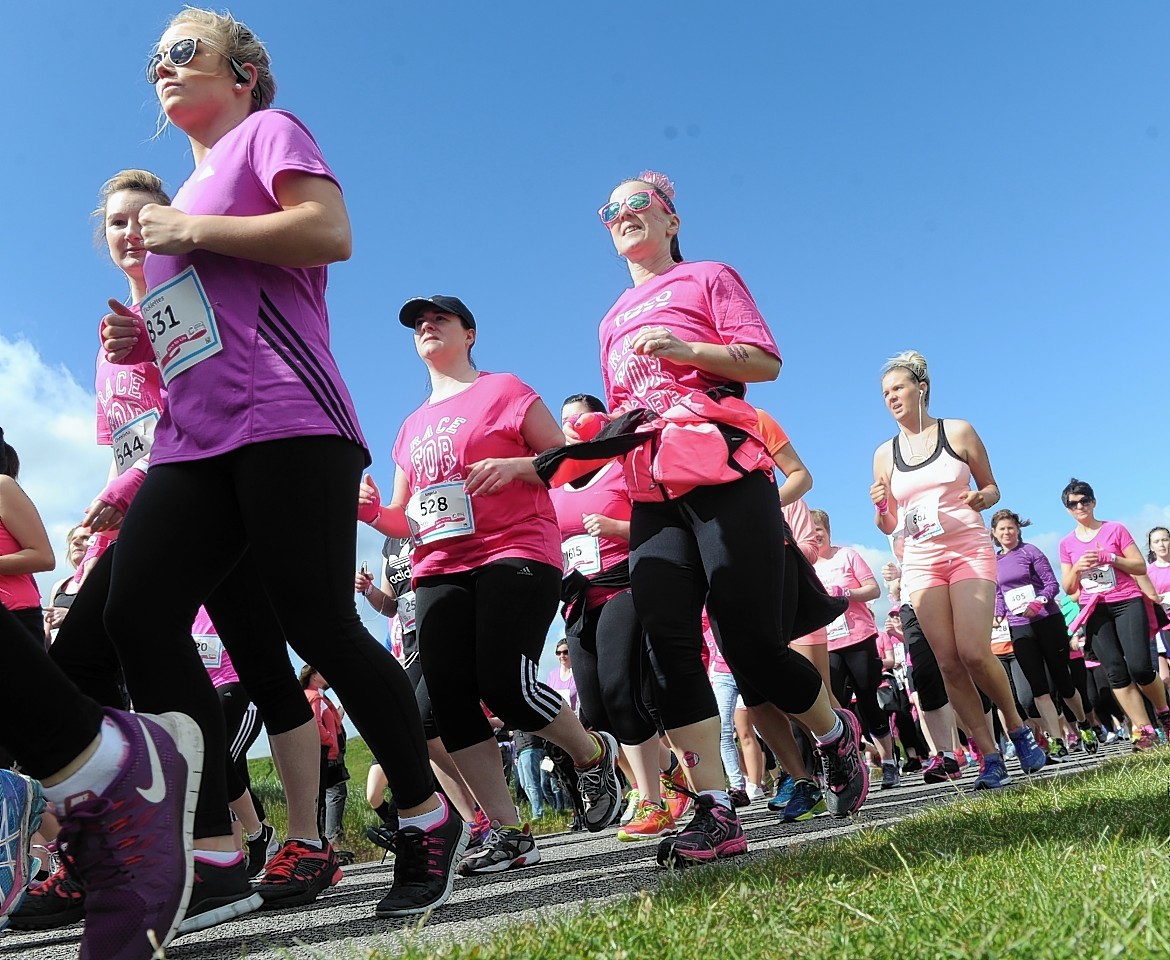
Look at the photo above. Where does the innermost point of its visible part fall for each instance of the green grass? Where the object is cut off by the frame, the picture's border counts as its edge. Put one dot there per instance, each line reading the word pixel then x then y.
pixel 1077 866
pixel 358 814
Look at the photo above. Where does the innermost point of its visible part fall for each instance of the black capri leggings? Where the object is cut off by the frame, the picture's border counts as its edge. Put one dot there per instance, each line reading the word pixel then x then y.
pixel 480 633
pixel 242 721
pixel 609 664
pixel 723 546
pixel 860 666
pixel 312 595
pixel 1119 635
pixel 924 671
pixel 1041 643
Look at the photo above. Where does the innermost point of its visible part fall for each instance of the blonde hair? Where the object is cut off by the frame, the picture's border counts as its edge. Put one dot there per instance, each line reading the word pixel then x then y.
pixel 140 181
pixel 821 518
pixel 236 40
pixel 914 363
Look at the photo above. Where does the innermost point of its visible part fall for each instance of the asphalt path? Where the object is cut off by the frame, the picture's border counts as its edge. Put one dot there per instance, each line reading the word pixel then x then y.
pixel 576 870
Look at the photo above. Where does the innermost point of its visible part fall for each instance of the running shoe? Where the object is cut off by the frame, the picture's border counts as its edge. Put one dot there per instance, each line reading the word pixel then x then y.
pixel 298 874
pixel 934 772
pixel 480 828
pixel 260 849
pixel 651 820
pixel 714 831
pixel 506 847
pixel 220 893
pixel 890 775
pixel 57 902
pixel 1032 759
pixel 1089 740
pixel 738 797
pixel 1057 747
pixel 601 791
pixel 131 847
pixel 807 801
pixel 21 806
pixel 845 776
pixel 785 786
pixel 424 866
pixel 381 836
pixel 754 791
pixel 1144 738
pixel 913 765
pixel 993 774
pixel 632 800
pixel 1164 725
pixel 676 793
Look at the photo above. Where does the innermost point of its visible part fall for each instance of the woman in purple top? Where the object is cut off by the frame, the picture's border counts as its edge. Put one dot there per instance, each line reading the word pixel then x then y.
pixel 259 437
pixel 1025 596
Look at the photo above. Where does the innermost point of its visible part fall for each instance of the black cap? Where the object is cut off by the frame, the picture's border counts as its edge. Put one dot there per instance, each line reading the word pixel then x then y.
pixel 412 308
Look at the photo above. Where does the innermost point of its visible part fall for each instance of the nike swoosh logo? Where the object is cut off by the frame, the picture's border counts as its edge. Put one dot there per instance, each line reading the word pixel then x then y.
pixel 157 791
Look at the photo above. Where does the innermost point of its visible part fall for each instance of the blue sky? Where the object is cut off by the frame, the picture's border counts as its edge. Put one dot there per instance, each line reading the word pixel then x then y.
pixel 983 182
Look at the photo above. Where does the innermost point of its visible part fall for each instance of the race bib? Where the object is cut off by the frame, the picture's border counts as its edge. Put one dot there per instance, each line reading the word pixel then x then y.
pixel 1018 599
pixel 406 608
pixel 1098 579
pixel 922 522
pixel 132 441
pixel 210 649
pixel 838 629
pixel 181 324
pixel 582 553
pixel 439 512
pixel 1002 633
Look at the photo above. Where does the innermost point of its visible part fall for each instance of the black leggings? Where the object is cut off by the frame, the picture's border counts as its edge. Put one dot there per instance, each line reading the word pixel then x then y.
pixel 861 667
pixel 1119 635
pixel 242 722
pixel 924 671
pixel 1044 642
pixel 43 741
pixel 238 509
pixel 609 663
pixel 480 633
pixel 1022 694
pixel 723 546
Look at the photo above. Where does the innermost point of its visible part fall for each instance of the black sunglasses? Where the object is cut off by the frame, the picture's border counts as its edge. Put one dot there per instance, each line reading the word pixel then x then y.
pixel 1073 504
pixel 182 52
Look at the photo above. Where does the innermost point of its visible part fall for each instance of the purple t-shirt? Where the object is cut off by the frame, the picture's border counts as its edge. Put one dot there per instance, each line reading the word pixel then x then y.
pixel 1023 575
pixel 275 376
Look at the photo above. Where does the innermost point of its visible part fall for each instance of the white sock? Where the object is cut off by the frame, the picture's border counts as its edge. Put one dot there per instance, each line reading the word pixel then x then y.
pixel 222 858
pixel 719 796
pixel 316 843
pixel 949 754
pixel 258 834
pixel 837 731
pixel 99 771
pixel 425 821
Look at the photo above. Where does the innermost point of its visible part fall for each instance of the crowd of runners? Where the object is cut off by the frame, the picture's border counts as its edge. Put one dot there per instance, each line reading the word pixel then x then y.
pixel 717 635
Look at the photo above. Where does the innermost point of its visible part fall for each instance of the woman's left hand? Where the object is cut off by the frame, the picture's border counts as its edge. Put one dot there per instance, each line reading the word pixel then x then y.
pixel 975 499
pixel 101 517
pixel 166 230
pixel 660 342
pixel 598 526
pixel 490 476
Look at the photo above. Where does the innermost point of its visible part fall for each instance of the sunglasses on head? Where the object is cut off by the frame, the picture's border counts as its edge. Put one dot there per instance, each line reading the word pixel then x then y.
pixel 635 201
pixel 1073 504
pixel 182 52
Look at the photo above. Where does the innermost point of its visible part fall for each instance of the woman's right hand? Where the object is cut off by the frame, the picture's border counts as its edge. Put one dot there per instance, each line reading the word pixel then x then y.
pixel 1087 561
pixel 362 582
pixel 878 493
pixel 55 616
pixel 369 500
pixel 120 331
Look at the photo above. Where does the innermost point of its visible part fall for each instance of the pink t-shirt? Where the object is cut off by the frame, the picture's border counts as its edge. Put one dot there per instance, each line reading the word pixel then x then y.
pixel 18 591
pixel 606 495
pixel 847 569
pixel 567 688
pixel 1159 576
pixel 125 392
pixel 700 302
pixel 275 376
pixel 211 650
pixel 437 444
pixel 1111 584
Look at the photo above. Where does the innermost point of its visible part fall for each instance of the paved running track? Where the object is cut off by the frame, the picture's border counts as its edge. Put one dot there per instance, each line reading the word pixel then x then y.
pixel 576 869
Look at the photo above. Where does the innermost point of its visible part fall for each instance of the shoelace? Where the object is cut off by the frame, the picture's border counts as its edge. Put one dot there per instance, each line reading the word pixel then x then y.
pixel 59 884
pixel 833 766
pixel 103 871
pixel 287 864
pixel 414 860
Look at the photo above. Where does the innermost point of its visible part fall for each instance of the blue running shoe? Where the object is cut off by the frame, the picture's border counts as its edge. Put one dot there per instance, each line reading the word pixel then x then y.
pixel 993 773
pixel 1028 752
pixel 784 790
pixel 806 802
pixel 21 805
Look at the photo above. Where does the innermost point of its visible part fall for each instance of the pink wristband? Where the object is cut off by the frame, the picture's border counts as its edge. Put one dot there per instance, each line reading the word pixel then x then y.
pixel 369 512
pixel 883 506
pixel 121 490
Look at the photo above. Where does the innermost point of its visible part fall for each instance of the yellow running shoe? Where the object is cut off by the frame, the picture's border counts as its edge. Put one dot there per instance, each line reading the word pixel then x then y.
pixel 675 795
pixel 651 820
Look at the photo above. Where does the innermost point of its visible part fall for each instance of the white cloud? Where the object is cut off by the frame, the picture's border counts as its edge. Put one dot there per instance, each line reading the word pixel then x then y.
pixel 48 417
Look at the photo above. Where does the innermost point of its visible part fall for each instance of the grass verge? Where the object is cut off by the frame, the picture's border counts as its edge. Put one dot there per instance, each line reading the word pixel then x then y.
pixel 1076 866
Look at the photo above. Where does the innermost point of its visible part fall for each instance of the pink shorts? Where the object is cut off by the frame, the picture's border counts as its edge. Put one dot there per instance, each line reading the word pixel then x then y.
pixel 941 568
pixel 818 638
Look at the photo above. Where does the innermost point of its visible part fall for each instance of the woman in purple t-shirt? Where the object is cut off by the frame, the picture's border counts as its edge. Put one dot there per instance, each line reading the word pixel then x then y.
pixel 1025 599
pixel 1098 563
pixel 235 317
